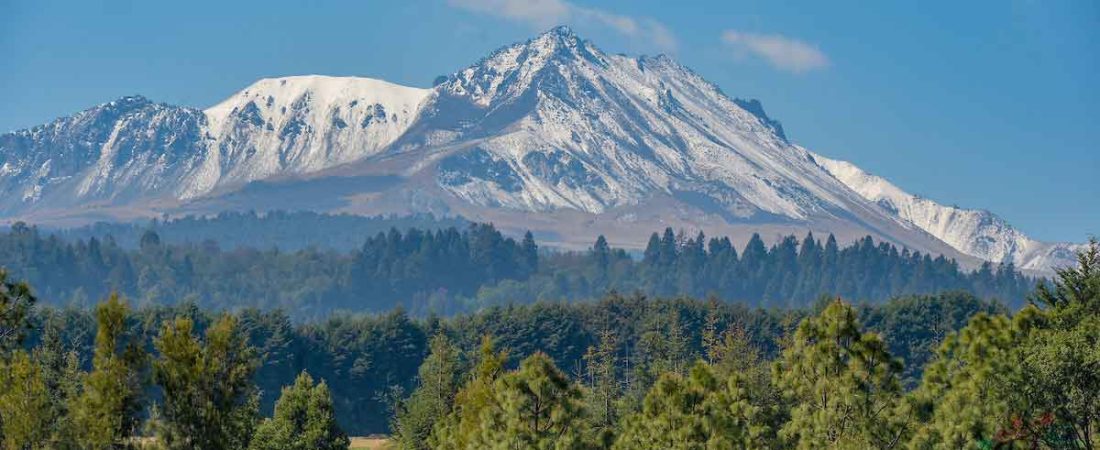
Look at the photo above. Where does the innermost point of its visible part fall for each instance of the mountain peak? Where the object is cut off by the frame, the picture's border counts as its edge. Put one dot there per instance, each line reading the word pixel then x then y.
pixel 562 31
pixel 509 72
pixel 125 103
pixel 557 40
pixel 549 125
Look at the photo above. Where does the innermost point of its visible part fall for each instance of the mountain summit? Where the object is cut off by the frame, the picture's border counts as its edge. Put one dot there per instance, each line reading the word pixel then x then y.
pixel 550 134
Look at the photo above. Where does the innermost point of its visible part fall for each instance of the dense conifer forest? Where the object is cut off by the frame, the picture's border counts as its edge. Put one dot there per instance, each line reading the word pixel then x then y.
pixel 624 372
pixel 464 338
pixel 452 270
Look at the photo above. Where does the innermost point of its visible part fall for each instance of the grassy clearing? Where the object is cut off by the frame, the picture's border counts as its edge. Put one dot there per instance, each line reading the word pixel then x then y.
pixel 370 443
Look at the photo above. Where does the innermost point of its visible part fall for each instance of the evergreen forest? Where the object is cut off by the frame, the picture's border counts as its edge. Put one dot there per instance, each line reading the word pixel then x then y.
pixel 948 370
pixel 464 269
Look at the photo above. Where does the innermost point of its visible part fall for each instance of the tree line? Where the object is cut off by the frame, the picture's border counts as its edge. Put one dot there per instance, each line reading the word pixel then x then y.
pixel 204 397
pixel 369 361
pixel 1026 380
pixel 624 373
pixel 789 273
pixel 451 270
pixel 287 230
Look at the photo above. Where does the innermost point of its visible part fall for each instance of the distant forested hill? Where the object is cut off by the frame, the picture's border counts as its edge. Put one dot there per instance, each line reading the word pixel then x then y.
pixel 286 230
pixel 463 269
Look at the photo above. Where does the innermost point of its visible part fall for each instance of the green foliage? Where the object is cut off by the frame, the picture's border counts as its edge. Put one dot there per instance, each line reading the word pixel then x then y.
pixel 433 398
pixel 416 268
pixel 662 347
pixel 631 357
pixel 603 384
pixel 535 407
pixel 915 326
pixel 288 230
pixel 360 356
pixel 106 414
pixel 984 378
pixel 304 420
pixel 210 400
pixel 750 380
pixel 458 429
pixel 1029 381
pixel 843 385
pixel 461 269
pixel 26 413
pixel 697 412
pixel 963 392
pixel 1061 383
pixel 1076 290
pixel 789 274
pixel 396 266
pixel 16 303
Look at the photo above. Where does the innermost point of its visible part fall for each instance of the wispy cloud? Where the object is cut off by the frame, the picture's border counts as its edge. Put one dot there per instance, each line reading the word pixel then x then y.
pixel 780 51
pixel 546 13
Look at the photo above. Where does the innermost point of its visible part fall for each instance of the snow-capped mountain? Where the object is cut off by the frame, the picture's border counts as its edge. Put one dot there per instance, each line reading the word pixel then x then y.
pixel 132 149
pixel 551 134
pixel 298 125
pixel 568 126
pixel 114 153
pixel 975 232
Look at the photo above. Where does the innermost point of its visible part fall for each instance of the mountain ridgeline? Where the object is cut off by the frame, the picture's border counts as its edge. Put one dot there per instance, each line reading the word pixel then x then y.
pixel 552 135
pixel 452 270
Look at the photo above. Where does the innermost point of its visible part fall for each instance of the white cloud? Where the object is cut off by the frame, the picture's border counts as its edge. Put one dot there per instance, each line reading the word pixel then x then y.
pixel 540 13
pixel 547 13
pixel 781 52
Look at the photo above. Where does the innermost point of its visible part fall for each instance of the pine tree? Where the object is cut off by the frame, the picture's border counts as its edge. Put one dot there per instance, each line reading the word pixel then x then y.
pixel 1029 380
pixel 106 414
pixel 601 253
pixel 753 259
pixel 536 407
pixel 669 249
pixel 530 253
pixel 678 351
pixel 604 390
pixel 1075 288
pixel 844 385
pixel 711 335
pixel 433 398
pixel 26 413
pixel 696 412
pixel 1060 360
pixel 304 419
pixel 600 272
pixel 652 251
pixel 457 430
pixel 210 400
pixel 60 367
pixel 965 395
pixel 830 257
pixel 737 356
pixel 16 303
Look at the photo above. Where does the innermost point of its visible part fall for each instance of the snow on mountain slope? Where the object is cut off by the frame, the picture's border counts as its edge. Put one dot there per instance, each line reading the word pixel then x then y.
pixel 114 152
pixel 977 233
pixel 133 149
pixel 556 123
pixel 551 130
pixel 301 124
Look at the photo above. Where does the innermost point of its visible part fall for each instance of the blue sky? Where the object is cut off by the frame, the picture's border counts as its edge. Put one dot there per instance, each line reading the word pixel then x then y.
pixel 982 104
